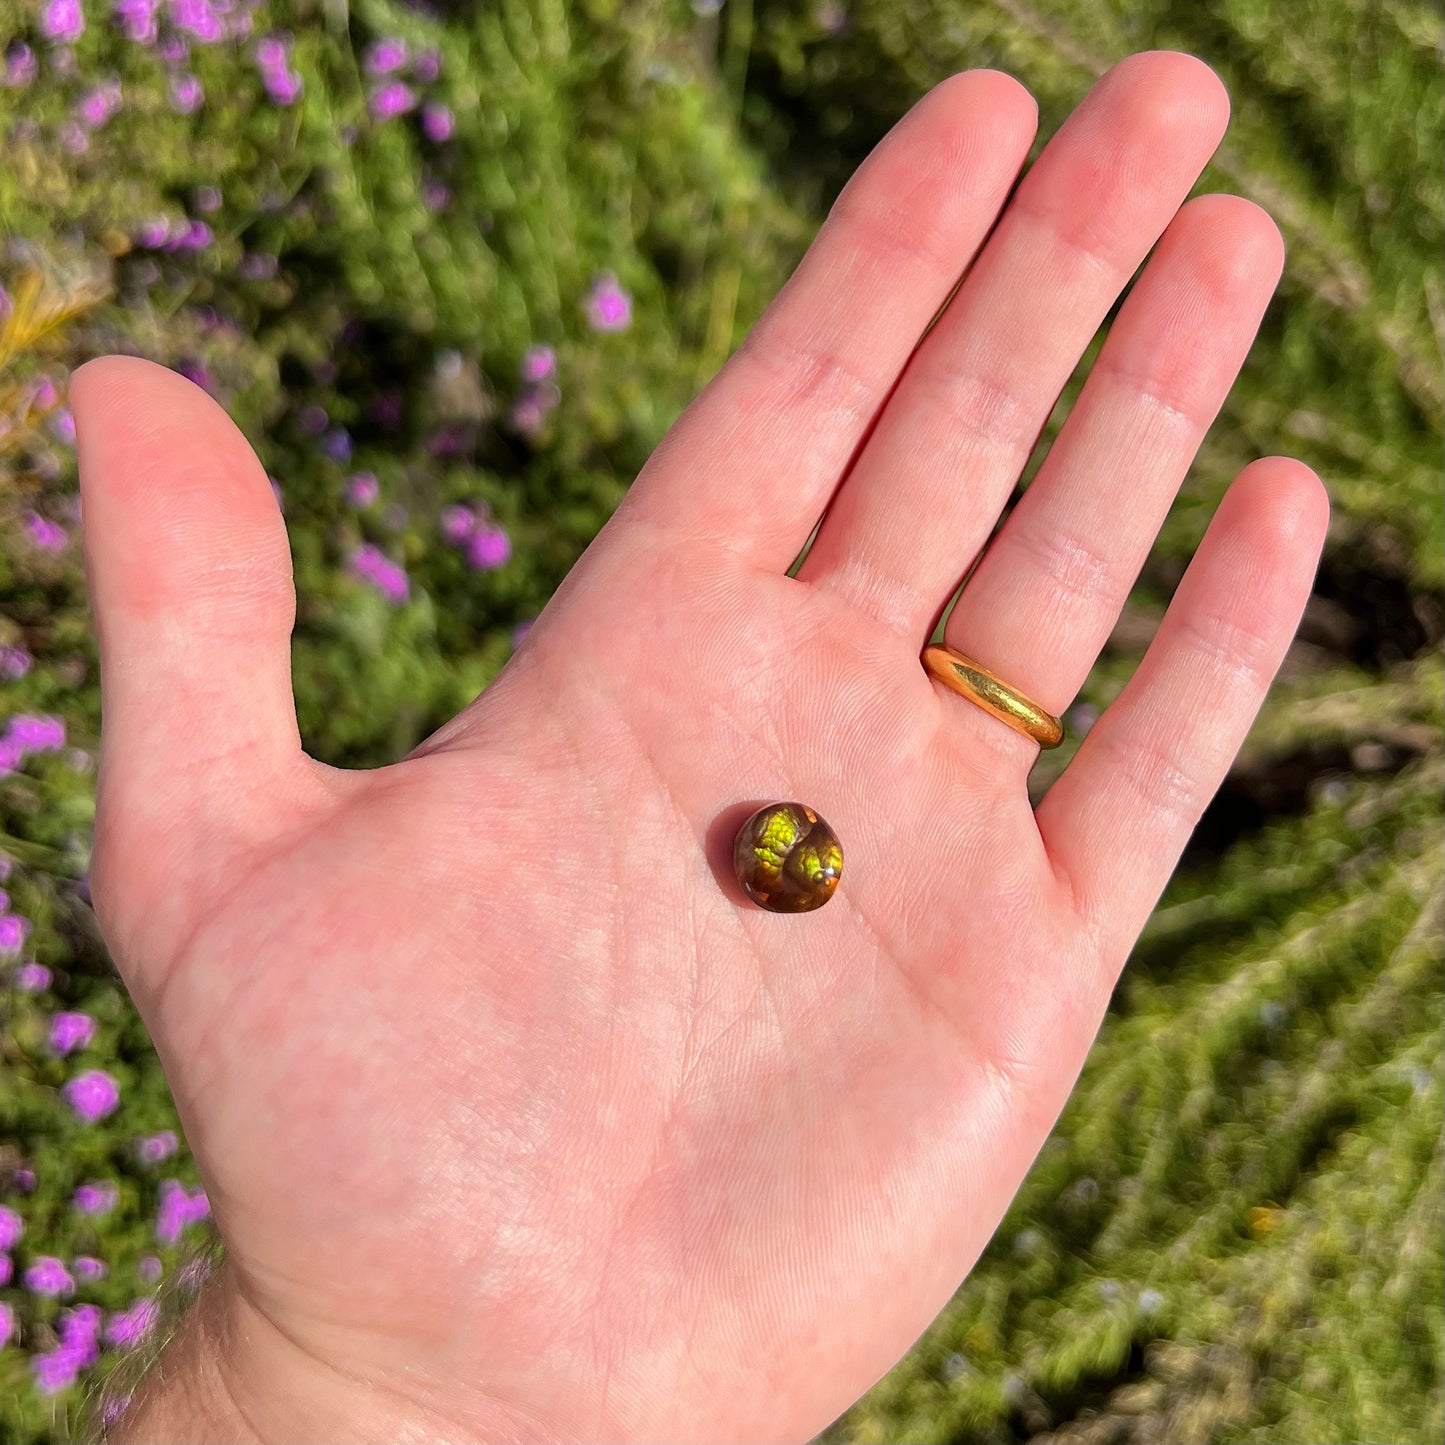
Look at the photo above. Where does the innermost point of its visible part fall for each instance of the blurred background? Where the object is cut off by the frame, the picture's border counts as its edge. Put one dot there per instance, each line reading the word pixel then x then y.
pixel 454 267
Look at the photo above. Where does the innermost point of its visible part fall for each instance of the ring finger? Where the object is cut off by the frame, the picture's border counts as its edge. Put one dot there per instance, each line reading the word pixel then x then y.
pixel 1048 590
pixel 927 489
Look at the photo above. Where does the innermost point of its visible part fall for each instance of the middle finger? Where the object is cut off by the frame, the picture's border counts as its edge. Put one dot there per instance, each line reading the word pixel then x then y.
pixel 928 488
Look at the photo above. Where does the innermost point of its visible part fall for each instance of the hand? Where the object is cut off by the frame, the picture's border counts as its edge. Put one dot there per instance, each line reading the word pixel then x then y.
pixel 518 1122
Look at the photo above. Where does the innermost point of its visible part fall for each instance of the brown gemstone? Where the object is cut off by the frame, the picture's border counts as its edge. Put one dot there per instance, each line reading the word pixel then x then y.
pixel 787 859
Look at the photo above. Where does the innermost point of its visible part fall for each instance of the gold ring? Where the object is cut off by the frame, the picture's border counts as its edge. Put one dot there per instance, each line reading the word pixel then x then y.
pixel 993 695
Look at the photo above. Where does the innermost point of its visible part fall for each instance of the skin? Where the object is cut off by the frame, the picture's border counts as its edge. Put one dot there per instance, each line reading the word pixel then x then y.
pixel 518 1122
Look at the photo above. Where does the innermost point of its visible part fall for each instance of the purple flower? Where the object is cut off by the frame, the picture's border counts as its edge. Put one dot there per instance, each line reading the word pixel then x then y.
pixel 178 1209
pixel 196 237
pixel 273 59
pixel 394 98
pixel 47 535
pixel 56 1370
pixel 7 1324
pixel 530 409
pixel 435 196
pixel 15 661
pixel 7 1272
pixel 130 1327
pixel 29 977
pixel 283 86
pixel 153 1148
pixel 174 50
pixel 187 94
pixel 520 631
pixel 87 1267
pixel 199 18
pixel 170 1215
pixel 384 56
pixel 149 1268
pixel 437 121
pixel 362 490
pixel 21 65
pixel 96 1199
pixel 197 373
pixel 14 930
pixel 71 1031
pixel 458 523
pixel 609 307
pixel 527 415
pixel 47 1276
pixel 92 1095
pixel 12 1227
pixel 79 1330
pixel 23 1178
pixel 313 418
pixel 208 201
pixel 62 425
pixel 137 19
pixel 488 548
pixel 427 66
pixel 154 234
pixel 62 21
pixel 373 565
pixel 11 756
pixel 337 444
pixel 37 733
pixel 539 363
pixel 97 106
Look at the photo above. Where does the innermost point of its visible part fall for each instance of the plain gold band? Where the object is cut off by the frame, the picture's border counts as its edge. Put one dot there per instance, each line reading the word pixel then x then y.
pixel 993 695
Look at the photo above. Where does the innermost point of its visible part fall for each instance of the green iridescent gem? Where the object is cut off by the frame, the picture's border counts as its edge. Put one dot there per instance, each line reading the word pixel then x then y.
pixel 787 859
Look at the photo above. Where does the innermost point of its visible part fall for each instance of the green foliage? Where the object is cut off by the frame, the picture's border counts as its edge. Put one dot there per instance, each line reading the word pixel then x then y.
pixel 1246 1180
pixel 1235 1232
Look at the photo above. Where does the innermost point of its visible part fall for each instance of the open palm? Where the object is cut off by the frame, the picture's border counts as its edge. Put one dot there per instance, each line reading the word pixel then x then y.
pixel 518 1121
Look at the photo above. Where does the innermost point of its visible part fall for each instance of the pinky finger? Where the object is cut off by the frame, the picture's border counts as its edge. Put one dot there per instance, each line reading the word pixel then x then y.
pixel 1117 821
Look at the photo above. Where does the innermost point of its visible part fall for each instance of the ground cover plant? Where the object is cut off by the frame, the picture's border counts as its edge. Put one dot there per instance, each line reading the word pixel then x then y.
pixel 454 267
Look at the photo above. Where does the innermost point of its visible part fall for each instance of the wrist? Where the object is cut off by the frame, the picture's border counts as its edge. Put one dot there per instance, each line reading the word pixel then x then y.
pixel 186 1394
pixel 229 1374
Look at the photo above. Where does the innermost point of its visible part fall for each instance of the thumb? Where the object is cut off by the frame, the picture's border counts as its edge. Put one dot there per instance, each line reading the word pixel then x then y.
pixel 190 578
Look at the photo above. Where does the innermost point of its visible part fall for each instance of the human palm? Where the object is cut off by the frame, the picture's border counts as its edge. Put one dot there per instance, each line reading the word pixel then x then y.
pixel 518 1120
